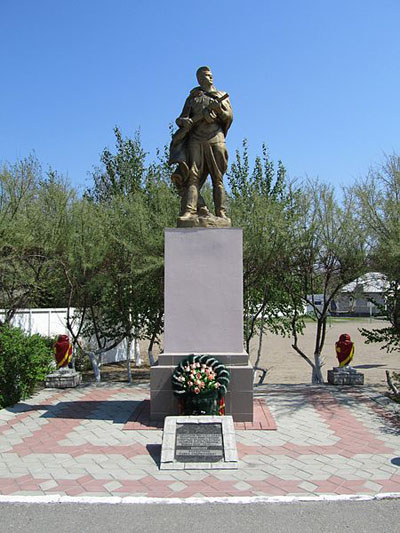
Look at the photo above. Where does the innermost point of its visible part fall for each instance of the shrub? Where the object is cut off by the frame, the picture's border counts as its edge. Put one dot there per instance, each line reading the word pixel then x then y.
pixel 24 361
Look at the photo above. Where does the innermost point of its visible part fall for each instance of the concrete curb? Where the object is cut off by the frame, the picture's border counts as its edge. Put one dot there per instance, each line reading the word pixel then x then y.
pixel 132 500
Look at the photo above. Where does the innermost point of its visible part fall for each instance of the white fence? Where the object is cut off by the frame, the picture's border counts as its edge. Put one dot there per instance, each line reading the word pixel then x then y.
pixel 48 322
pixel 52 322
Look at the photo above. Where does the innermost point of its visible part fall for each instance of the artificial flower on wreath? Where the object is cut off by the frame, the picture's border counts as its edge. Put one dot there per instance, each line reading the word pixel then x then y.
pixel 200 374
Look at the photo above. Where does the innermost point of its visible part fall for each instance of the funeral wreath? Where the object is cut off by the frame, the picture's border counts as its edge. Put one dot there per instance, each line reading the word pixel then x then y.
pixel 201 382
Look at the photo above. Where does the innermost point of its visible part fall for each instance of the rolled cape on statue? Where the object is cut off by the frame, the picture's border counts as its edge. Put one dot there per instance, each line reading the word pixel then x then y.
pixel 344 350
pixel 63 351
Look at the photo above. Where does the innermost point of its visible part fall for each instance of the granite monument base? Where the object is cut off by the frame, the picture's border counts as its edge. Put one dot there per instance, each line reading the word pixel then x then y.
pixel 203 315
pixel 345 376
pixel 238 400
pixel 64 379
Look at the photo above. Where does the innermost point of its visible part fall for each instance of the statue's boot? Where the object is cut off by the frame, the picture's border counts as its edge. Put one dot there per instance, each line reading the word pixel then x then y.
pixel 221 213
pixel 203 211
pixel 219 201
pixel 222 217
pixel 188 215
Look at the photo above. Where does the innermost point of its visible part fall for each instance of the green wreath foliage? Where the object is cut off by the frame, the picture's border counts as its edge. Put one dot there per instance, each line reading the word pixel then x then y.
pixel 181 374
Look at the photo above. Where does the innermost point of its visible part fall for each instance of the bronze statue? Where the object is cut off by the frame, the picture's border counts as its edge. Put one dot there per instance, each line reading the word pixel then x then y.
pixel 198 147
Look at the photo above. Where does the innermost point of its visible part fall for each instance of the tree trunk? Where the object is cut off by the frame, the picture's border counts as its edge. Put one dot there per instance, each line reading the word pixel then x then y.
pixel 150 348
pixel 248 336
pixel 151 357
pixel 153 339
pixel 136 351
pixel 95 366
pixel 295 345
pixel 260 339
pixel 128 359
pixel 316 372
pixel 391 385
pixel 319 343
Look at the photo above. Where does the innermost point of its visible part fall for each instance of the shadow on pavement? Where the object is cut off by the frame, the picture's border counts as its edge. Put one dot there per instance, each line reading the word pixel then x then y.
pixel 294 398
pixel 154 452
pixel 116 411
pixel 366 366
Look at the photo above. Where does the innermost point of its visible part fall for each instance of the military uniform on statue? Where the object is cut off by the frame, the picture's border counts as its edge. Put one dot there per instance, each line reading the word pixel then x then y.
pixel 199 149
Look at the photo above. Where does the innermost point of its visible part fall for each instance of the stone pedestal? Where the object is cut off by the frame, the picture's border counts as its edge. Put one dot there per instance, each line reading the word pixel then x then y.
pixel 63 379
pixel 345 376
pixel 203 314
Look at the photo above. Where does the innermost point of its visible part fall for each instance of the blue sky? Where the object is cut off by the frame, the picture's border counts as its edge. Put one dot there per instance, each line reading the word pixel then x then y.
pixel 317 81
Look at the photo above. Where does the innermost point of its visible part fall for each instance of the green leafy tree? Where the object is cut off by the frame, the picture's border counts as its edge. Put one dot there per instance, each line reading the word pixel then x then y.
pixel 378 200
pixel 47 224
pixel 86 264
pixel 120 173
pixel 263 204
pixel 32 226
pixel 330 250
pixel 17 190
pixel 135 204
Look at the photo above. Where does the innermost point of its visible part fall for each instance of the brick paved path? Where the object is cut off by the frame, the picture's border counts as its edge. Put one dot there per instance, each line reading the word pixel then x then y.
pixel 72 442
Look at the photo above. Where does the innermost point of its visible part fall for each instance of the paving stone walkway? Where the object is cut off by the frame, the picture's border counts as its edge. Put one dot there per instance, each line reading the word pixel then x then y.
pixel 72 442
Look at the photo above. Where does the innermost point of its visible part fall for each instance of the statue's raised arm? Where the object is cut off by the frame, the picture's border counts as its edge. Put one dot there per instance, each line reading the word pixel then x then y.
pixel 198 148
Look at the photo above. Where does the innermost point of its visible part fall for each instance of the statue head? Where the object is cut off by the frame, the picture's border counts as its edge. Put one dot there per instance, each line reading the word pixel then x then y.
pixel 204 77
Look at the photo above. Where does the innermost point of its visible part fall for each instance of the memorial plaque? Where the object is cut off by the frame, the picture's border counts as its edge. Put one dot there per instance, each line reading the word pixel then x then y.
pixel 196 443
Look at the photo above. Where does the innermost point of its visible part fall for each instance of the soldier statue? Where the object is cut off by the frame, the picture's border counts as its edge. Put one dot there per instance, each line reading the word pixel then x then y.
pixel 198 147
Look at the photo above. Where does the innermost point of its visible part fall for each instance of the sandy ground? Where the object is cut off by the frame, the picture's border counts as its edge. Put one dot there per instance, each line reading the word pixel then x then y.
pixel 285 366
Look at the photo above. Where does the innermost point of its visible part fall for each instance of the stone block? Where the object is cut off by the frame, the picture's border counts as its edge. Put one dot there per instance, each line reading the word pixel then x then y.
pixel 225 358
pixel 63 379
pixel 345 376
pixel 163 403
pixel 241 378
pixel 160 377
pixel 238 400
pixel 240 405
pixel 203 291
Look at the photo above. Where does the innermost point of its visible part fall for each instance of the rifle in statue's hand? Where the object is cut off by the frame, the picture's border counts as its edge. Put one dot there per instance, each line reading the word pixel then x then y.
pixel 180 134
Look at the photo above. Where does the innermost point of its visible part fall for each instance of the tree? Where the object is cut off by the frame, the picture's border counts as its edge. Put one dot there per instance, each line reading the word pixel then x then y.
pixel 32 216
pixel 136 204
pixel 17 186
pixel 121 173
pixel 85 265
pixel 263 204
pixel 162 205
pixel 47 223
pixel 330 250
pixel 378 198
